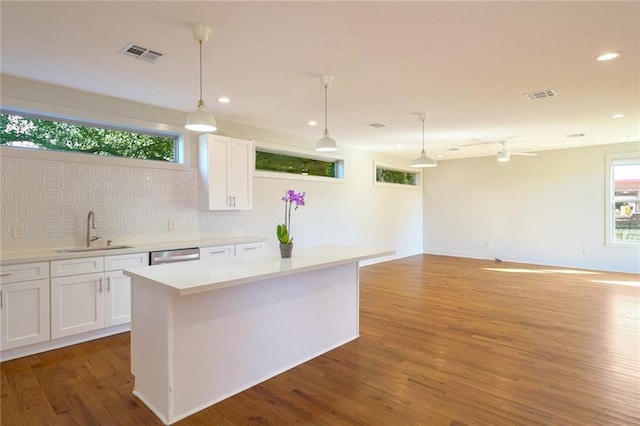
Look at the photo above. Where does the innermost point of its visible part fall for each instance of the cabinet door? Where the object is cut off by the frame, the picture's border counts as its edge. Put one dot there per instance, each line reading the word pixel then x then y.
pixel 213 154
pixel 24 309
pixel 241 174
pixel 117 298
pixel 77 304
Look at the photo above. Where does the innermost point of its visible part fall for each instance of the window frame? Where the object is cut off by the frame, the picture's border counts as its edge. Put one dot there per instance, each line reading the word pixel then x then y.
pixel 396 168
pixel 301 153
pixel 620 159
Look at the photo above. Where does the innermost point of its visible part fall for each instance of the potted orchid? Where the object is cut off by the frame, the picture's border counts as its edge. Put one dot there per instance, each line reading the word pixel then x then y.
pixel 283 231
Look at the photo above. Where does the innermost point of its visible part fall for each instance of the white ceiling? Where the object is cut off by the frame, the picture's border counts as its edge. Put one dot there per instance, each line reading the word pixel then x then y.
pixel 467 64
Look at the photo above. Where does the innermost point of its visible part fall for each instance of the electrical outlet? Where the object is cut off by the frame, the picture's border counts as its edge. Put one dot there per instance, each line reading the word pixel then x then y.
pixel 171 225
pixel 586 250
pixel 488 243
pixel 17 231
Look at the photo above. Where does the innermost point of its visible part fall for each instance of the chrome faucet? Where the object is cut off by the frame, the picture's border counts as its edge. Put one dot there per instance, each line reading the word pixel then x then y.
pixel 91 224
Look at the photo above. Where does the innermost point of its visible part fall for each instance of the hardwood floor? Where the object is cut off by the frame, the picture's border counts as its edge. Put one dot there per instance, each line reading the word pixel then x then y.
pixel 444 341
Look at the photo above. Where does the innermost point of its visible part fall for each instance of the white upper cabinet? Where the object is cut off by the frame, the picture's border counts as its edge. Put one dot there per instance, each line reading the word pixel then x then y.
pixel 226 171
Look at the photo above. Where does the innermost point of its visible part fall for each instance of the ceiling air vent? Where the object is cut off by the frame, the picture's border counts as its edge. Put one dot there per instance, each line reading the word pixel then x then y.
pixel 541 94
pixel 140 52
pixel 575 135
pixel 376 125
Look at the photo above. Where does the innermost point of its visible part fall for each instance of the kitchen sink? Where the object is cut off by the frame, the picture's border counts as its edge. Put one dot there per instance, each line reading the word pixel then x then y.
pixel 85 249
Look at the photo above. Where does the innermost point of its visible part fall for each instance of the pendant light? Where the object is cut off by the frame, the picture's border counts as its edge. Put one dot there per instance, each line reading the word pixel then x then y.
pixel 326 143
pixel 423 160
pixel 201 120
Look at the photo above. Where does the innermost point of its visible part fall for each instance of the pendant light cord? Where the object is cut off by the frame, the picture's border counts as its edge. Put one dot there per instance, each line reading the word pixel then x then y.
pixel 325 110
pixel 423 135
pixel 201 101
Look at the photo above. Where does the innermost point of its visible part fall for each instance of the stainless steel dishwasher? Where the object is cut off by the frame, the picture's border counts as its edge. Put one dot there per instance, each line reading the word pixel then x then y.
pixel 173 256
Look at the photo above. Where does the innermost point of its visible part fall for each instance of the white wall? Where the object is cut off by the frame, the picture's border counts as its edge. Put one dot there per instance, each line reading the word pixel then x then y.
pixel 545 210
pixel 51 193
pixel 355 212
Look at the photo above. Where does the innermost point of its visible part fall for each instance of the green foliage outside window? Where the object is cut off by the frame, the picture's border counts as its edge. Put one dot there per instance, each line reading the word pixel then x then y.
pixel 296 165
pixel 37 133
pixel 395 176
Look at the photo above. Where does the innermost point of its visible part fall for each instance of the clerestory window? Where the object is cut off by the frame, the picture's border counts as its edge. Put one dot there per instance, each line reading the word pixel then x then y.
pixel 23 131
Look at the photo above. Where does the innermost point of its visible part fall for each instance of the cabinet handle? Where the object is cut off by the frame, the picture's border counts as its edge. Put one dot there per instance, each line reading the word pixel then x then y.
pixel 234 201
pixel 5 274
pixel 250 248
pixel 1 306
pixel 100 285
pixel 230 203
pixel 217 252
pixel 108 284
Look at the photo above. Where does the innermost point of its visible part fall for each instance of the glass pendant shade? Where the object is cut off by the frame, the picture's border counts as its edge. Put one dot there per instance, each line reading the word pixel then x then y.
pixel 326 143
pixel 424 161
pixel 201 120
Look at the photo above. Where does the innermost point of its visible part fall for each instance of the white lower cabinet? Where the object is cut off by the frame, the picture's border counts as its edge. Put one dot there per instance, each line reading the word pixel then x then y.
pixel 117 296
pixel 117 299
pixel 217 252
pixel 249 248
pixel 24 305
pixel 87 302
pixel 77 304
pixel 25 313
pixel 230 250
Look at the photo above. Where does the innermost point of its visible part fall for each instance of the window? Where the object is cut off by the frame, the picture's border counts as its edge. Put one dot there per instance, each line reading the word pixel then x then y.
pixel 395 175
pixel 289 162
pixel 46 134
pixel 623 213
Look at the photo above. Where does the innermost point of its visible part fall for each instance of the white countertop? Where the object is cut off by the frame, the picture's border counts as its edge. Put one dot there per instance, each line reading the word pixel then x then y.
pixel 45 255
pixel 206 275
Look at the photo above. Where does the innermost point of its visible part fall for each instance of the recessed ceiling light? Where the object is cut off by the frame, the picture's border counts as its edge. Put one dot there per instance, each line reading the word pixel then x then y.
pixel 312 123
pixel 617 116
pixel 608 56
pixel 224 100
pixel 399 145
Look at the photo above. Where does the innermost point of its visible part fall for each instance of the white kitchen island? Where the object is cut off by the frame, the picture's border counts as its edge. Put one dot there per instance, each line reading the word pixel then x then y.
pixel 203 331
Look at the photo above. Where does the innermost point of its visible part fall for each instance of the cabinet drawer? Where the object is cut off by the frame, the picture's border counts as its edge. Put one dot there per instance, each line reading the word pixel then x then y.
pixel 126 261
pixel 248 248
pixel 25 272
pixel 87 265
pixel 218 252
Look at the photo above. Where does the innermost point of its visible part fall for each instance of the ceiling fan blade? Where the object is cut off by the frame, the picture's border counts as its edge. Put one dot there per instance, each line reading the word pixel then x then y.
pixel 525 154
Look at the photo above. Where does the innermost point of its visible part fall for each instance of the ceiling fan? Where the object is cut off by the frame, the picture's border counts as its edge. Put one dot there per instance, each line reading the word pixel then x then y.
pixel 504 154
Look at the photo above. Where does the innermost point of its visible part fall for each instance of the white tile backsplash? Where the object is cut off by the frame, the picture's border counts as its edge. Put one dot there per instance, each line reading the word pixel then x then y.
pixel 50 200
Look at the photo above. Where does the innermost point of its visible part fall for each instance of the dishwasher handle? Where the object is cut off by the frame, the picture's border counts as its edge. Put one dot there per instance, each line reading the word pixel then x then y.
pixel 181 258
pixel 170 256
